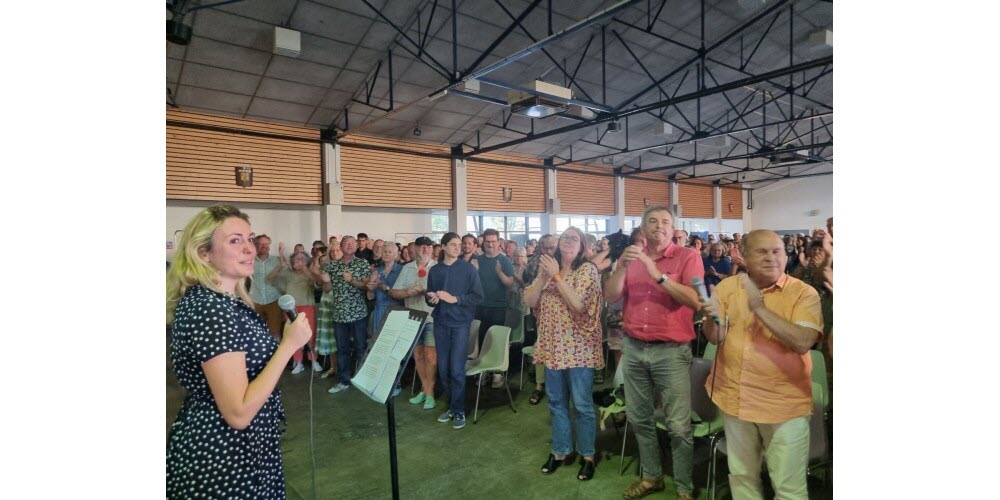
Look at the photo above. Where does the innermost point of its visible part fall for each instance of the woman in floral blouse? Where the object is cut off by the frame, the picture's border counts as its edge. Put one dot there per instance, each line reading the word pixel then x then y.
pixel 567 292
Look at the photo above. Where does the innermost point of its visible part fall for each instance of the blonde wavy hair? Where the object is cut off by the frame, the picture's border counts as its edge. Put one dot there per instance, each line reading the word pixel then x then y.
pixel 188 268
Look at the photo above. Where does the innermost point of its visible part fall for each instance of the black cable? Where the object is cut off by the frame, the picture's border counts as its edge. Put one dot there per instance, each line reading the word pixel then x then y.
pixel 715 363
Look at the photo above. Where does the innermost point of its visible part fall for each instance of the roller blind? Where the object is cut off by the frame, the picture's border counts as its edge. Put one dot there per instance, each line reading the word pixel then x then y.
pixel 696 198
pixel 201 163
pixel 586 194
pixel 403 179
pixel 645 188
pixel 732 203
pixel 486 181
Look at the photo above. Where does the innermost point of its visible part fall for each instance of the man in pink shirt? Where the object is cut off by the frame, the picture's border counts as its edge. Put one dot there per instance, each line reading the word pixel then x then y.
pixel 658 310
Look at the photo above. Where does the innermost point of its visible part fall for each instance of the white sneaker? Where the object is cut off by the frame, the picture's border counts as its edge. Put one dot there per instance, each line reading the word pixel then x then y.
pixel 298 368
pixel 497 381
pixel 338 388
pixel 317 367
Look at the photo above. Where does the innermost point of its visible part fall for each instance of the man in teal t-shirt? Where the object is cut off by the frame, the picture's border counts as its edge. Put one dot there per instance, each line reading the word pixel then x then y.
pixel 496 273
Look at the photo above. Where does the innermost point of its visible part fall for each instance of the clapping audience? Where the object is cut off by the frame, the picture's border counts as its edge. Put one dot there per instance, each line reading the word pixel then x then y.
pixel 556 286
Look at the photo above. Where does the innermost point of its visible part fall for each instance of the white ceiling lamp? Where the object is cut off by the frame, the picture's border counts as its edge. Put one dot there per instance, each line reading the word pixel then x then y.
pixel 821 38
pixel 551 101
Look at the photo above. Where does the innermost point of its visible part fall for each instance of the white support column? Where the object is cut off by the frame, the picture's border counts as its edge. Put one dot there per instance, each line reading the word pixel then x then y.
pixel 551 203
pixel 717 207
pixel 331 212
pixel 618 221
pixel 747 214
pixel 457 216
pixel 675 197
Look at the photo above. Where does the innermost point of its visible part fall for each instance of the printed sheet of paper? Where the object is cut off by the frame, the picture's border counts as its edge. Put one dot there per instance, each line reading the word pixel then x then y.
pixel 378 374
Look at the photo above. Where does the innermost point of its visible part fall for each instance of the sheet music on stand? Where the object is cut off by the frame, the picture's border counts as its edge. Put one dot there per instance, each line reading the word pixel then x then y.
pixel 394 344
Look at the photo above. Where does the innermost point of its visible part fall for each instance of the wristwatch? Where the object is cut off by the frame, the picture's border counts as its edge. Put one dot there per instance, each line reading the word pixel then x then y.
pixel 663 277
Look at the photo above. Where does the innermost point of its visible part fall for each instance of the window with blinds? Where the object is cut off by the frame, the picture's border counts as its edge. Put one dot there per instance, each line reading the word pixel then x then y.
pixel 381 172
pixel 732 203
pixel 581 193
pixel 695 197
pixel 504 188
pixel 201 162
pixel 645 190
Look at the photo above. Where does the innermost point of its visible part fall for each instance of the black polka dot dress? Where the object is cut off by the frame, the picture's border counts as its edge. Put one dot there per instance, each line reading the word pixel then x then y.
pixel 206 458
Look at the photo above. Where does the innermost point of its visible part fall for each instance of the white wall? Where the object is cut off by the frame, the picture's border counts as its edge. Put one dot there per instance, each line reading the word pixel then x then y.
pixel 786 205
pixel 301 225
pixel 385 223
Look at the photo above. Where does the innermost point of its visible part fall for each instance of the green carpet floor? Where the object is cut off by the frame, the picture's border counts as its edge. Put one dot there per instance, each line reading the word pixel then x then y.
pixel 499 457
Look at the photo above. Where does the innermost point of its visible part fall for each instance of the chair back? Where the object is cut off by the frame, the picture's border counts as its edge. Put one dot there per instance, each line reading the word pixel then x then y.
pixel 517 332
pixel 710 351
pixel 474 339
pixel 494 356
pixel 700 402
pixel 819 446
pixel 619 376
pixel 819 377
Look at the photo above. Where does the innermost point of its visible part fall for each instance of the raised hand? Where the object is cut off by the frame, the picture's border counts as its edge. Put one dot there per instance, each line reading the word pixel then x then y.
pixel 548 266
pixel 475 263
pixel 711 306
pixel 281 250
pixel 324 277
pixel 754 298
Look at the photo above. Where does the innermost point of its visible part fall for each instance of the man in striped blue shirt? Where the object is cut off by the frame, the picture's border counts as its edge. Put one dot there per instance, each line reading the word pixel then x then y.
pixel 264 295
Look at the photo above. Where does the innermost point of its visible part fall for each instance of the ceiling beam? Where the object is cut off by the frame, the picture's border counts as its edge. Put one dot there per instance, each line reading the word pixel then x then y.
pixel 660 104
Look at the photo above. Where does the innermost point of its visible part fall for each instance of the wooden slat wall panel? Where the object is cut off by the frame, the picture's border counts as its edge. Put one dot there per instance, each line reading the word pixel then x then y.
pixel 732 203
pixel 236 123
pixel 486 180
pixel 646 186
pixel 696 199
pixel 200 163
pixel 585 194
pixel 374 178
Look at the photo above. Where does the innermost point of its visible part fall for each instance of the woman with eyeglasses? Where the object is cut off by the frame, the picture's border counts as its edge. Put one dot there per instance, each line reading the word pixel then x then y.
pixel 568 296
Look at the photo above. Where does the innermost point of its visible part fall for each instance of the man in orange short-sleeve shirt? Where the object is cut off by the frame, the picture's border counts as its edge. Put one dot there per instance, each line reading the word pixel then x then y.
pixel 761 378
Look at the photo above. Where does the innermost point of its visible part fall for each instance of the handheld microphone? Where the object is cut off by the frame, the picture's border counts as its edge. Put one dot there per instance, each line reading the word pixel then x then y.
pixel 287 304
pixel 699 285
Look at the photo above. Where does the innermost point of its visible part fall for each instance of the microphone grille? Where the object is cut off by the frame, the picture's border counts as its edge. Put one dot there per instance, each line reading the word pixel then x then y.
pixel 286 302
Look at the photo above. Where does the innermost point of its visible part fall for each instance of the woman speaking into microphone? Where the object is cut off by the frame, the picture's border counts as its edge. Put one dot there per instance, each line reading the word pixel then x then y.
pixel 224 442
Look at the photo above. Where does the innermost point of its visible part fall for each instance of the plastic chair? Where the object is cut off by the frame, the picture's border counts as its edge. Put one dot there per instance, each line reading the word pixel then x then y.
pixel 474 339
pixel 819 446
pixel 705 416
pixel 517 337
pixel 819 377
pixel 710 350
pixel 525 351
pixel 617 407
pixel 494 358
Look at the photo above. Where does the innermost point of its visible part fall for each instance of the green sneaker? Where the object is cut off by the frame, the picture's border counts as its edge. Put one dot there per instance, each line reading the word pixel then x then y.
pixel 419 398
pixel 429 403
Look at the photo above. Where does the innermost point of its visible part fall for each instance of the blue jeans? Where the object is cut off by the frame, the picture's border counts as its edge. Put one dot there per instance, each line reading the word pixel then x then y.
pixel 580 384
pixel 345 332
pixel 452 345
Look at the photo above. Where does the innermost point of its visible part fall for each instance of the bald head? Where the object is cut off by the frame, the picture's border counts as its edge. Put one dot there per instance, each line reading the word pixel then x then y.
pixel 764 255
